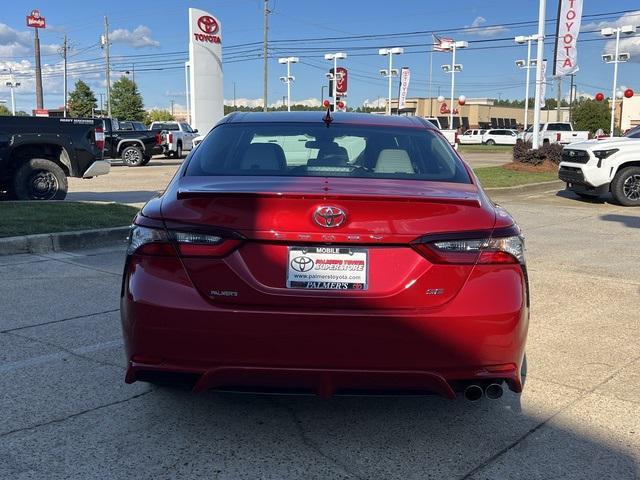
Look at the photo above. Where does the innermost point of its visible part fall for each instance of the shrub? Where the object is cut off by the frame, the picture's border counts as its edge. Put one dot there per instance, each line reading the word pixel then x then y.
pixel 523 153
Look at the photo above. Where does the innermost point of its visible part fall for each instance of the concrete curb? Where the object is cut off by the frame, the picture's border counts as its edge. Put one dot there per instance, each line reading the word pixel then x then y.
pixel 528 187
pixel 55 242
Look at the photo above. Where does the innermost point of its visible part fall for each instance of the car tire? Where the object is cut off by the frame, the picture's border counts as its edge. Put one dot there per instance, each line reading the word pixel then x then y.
pixel 146 160
pixel 168 154
pixel 625 187
pixel 523 370
pixel 132 156
pixel 40 179
pixel 490 142
pixel 178 152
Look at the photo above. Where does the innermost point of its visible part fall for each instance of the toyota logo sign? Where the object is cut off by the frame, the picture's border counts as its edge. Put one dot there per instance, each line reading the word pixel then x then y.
pixel 329 217
pixel 208 24
pixel 209 28
pixel 301 264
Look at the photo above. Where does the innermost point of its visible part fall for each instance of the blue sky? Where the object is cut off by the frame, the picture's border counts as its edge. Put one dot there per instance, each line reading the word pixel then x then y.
pixel 152 37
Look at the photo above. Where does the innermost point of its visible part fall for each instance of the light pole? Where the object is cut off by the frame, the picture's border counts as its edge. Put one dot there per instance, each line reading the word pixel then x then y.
pixel 391 72
pixel 542 8
pixel 334 76
pixel 521 39
pixel 322 94
pixel 289 78
pixel 615 59
pixel 12 85
pixel 452 69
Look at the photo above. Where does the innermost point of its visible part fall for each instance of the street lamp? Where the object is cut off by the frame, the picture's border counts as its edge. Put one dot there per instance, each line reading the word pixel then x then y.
pixel 334 76
pixel 615 59
pixel 452 69
pixel 12 84
pixel 392 72
pixel 289 78
pixel 528 65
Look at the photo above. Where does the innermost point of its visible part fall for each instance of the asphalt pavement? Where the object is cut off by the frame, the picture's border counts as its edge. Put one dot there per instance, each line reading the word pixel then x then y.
pixel 67 413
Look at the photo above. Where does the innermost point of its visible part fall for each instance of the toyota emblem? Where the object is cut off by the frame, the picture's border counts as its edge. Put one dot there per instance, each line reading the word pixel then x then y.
pixel 302 264
pixel 208 24
pixel 329 217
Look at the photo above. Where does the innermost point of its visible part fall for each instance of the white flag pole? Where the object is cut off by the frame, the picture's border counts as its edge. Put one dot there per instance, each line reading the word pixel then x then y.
pixel 539 79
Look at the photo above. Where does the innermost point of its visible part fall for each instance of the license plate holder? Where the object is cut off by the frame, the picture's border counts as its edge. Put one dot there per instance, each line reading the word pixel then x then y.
pixel 328 268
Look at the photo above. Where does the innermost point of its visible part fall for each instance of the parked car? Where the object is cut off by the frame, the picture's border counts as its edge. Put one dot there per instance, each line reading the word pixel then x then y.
pixel 370 264
pixel 450 134
pixel 131 125
pixel 177 137
pixel 133 147
pixel 197 140
pixel 471 137
pixel 38 154
pixel 555 132
pixel 499 136
pixel 596 167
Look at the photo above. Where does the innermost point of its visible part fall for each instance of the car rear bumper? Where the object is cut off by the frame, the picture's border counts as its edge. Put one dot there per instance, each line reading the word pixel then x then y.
pixel 479 337
pixel 99 167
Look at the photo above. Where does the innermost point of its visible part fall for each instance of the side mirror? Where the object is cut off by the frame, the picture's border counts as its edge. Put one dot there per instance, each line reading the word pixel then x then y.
pixel 195 130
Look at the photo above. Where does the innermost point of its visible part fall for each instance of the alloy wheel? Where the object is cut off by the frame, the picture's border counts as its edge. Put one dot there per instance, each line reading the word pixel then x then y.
pixel 43 185
pixel 631 187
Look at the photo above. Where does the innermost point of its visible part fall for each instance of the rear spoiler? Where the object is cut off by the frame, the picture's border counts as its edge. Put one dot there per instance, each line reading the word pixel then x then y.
pixel 471 200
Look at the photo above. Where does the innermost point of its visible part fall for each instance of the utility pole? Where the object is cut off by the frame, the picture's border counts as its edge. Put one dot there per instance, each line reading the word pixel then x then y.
pixel 266 54
pixel 105 46
pixel 63 51
pixel 101 104
pixel 172 102
pixel 558 97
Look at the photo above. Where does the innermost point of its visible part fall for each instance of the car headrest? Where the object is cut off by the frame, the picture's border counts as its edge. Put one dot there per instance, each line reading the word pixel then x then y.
pixel 393 160
pixel 263 156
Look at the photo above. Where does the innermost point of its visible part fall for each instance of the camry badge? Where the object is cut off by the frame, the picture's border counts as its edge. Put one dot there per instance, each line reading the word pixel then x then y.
pixel 329 217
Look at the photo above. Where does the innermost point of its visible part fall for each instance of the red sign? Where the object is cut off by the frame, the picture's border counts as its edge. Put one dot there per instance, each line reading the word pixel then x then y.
pixel 41 112
pixel 209 27
pixel 341 86
pixel 35 20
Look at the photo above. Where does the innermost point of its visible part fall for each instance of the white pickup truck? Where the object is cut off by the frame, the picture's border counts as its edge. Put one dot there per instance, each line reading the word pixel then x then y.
pixel 596 167
pixel 177 137
pixel 555 132
pixel 450 135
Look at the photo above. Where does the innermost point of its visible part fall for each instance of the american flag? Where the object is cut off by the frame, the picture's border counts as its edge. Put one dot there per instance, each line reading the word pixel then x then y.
pixel 441 44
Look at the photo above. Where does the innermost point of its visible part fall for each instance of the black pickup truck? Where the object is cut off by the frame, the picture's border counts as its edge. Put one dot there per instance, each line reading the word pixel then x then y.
pixel 38 154
pixel 133 147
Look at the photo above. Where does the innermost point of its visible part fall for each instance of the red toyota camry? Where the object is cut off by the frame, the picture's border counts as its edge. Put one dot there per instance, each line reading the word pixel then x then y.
pixel 301 252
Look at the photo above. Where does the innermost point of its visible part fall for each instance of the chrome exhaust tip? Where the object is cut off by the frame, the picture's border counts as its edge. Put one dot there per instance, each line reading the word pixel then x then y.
pixel 473 393
pixel 493 391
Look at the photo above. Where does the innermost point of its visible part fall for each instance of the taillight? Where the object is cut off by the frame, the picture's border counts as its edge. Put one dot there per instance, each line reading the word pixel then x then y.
pixel 455 138
pixel 158 139
pixel 558 137
pixel 503 246
pixel 99 137
pixel 162 242
pixel 170 138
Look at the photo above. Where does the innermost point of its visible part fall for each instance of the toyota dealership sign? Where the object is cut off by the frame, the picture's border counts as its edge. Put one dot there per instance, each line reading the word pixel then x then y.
pixel 205 70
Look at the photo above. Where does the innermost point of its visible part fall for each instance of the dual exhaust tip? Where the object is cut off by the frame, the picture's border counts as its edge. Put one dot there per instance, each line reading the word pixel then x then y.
pixel 474 392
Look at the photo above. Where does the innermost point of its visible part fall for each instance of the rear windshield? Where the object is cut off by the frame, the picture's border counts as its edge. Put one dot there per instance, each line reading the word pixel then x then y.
pixel 305 150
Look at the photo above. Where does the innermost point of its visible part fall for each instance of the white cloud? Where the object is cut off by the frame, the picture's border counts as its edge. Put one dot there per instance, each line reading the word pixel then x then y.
pixel 476 28
pixel 138 38
pixel 377 103
pixel 630 44
pixel 257 102
pixel 14 43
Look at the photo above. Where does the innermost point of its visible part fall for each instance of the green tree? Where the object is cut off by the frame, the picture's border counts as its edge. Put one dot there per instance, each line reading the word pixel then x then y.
pixel 4 111
pixel 157 115
pixel 82 100
pixel 126 101
pixel 591 115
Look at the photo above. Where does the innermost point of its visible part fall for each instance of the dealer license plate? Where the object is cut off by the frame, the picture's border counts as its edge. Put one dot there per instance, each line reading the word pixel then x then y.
pixel 327 268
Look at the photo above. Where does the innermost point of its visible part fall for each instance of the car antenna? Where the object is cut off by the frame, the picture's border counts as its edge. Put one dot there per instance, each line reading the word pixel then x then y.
pixel 328 118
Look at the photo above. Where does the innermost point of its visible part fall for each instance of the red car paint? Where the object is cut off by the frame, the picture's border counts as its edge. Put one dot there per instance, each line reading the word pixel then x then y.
pixel 428 321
